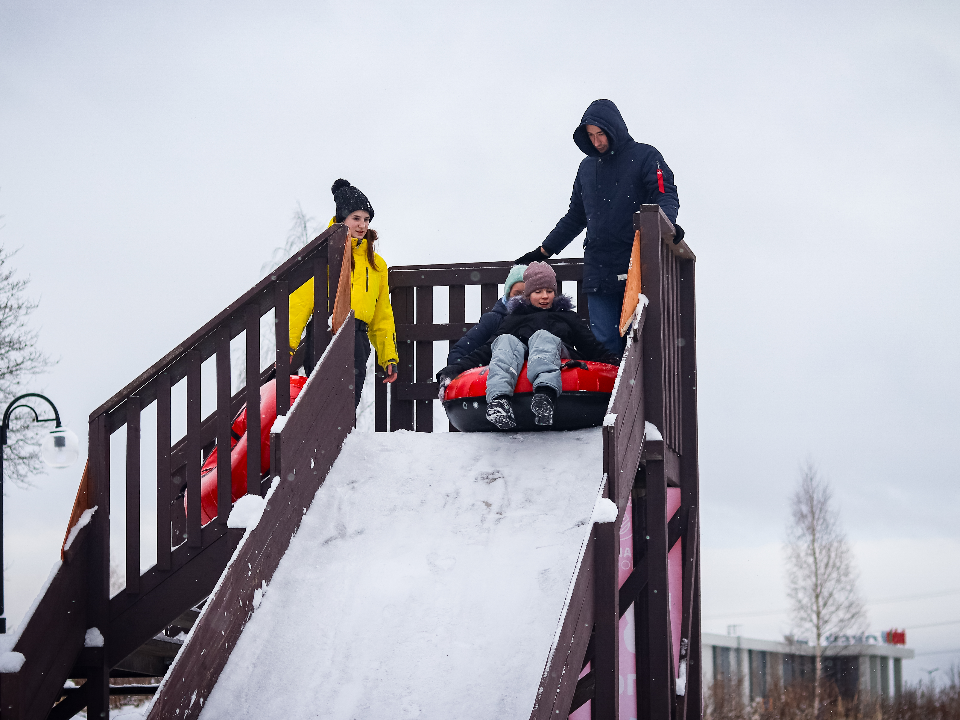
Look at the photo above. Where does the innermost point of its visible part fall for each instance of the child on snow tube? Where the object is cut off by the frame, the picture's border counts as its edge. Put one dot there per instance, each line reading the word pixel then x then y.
pixel 481 333
pixel 541 324
pixel 369 291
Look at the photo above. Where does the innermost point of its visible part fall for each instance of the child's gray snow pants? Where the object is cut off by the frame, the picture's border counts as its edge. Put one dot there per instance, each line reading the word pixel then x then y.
pixel 543 365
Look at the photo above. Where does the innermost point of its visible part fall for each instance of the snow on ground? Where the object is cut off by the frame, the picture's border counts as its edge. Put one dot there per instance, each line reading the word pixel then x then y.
pixel 426 580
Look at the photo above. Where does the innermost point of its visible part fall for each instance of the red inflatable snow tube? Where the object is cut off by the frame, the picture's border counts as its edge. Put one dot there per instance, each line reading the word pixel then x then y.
pixel 238 450
pixel 583 402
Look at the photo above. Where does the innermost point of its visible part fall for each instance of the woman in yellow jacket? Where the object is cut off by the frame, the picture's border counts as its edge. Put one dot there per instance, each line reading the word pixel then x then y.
pixel 369 293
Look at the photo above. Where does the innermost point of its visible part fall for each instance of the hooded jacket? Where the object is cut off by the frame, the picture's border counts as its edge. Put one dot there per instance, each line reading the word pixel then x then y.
pixel 524 319
pixel 608 189
pixel 369 299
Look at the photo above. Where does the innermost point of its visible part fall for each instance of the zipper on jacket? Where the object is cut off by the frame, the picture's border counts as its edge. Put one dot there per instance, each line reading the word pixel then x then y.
pixel 368 279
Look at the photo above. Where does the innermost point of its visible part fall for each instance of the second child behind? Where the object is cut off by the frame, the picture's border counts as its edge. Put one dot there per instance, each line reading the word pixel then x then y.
pixel 541 328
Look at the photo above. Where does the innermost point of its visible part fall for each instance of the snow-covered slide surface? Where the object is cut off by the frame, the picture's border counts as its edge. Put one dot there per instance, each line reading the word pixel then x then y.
pixel 427 580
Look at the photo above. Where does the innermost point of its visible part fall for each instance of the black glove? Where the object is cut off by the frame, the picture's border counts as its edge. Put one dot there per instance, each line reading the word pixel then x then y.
pixel 449 372
pixel 679 236
pixel 531 256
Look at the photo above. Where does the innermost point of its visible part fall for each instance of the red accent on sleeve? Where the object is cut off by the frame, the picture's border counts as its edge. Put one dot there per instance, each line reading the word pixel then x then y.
pixel 660 179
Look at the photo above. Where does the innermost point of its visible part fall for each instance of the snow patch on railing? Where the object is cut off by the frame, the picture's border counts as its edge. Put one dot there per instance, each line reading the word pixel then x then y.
pixel 605 511
pixel 85 517
pixel 650 431
pixel 247 512
pixel 11 662
pixel 93 638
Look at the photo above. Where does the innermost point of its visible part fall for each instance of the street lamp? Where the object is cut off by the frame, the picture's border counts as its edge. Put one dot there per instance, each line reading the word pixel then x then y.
pixel 59 449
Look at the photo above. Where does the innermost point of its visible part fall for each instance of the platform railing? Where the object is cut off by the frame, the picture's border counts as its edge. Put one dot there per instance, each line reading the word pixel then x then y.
pixel 411 398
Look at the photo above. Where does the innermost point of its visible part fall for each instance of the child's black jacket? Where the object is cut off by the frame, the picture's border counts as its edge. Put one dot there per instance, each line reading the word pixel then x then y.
pixel 523 320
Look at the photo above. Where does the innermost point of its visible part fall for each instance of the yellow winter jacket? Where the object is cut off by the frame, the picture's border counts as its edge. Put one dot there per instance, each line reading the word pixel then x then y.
pixel 369 299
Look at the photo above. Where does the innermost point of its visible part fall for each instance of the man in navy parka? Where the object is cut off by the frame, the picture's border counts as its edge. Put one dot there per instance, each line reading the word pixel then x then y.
pixel 613 181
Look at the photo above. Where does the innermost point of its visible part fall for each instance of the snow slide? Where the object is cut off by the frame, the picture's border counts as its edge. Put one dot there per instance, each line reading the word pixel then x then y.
pixel 427 580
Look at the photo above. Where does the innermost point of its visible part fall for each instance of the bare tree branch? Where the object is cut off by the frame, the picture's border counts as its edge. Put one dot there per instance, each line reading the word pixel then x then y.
pixel 20 360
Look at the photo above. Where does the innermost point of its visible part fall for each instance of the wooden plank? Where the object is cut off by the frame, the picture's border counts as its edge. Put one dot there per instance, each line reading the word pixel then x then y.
pixel 653 350
pixel 473 273
pixel 489 294
pixel 433 333
pixel 559 680
pixel 98 570
pixel 659 679
pixel 456 316
pixel 164 494
pixel 401 410
pixel 252 395
pixel 606 659
pixel 689 551
pixel 424 358
pixel 690 473
pixel 282 330
pixel 51 639
pixel 257 296
pixel 133 496
pixel 415 391
pixel 202 659
pixel 224 423
pixel 193 459
pixel 321 332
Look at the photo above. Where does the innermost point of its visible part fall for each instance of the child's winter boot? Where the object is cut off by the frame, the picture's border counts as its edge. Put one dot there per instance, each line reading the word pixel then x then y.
pixel 500 413
pixel 542 405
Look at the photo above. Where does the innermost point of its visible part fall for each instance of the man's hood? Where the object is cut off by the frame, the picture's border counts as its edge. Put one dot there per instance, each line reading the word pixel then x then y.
pixel 603 114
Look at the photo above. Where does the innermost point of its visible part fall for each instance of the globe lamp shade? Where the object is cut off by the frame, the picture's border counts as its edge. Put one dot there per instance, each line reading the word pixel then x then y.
pixel 60 448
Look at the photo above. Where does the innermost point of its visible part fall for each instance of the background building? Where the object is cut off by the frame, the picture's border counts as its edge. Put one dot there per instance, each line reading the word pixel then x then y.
pixel 870 670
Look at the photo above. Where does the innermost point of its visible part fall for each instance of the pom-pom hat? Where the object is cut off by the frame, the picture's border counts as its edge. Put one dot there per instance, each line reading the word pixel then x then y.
pixel 349 199
pixel 538 276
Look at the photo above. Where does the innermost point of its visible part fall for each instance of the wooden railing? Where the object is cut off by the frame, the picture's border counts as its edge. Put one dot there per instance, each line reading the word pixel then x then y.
pixel 189 556
pixel 411 398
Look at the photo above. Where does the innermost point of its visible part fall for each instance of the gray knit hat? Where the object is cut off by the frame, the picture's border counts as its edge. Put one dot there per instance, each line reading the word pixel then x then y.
pixel 538 276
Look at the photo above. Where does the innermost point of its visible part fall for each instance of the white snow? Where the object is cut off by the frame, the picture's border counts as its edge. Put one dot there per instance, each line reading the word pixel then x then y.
pixel 605 511
pixel 84 520
pixel 650 431
pixel 246 512
pixel 93 638
pixel 11 662
pixel 279 423
pixel 682 679
pixel 427 580
pixel 610 419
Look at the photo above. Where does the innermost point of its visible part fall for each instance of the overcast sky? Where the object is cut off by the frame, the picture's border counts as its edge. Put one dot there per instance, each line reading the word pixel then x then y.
pixel 151 155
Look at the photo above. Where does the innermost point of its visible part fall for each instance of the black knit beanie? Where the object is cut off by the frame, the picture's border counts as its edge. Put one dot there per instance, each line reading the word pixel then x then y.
pixel 349 199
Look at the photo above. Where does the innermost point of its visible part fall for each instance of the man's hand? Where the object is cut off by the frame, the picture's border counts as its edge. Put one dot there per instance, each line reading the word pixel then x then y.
pixel 391 373
pixel 679 236
pixel 532 256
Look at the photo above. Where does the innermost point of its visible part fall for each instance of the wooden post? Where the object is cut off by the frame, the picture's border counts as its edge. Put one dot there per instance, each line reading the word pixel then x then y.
pixel 606 631
pixel 164 479
pixel 424 357
pixel 690 482
pixel 281 316
pixel 224 424
pixel 401 411
pixel 98 591
pixel 253 399
pixel 133 496
pixel 194 460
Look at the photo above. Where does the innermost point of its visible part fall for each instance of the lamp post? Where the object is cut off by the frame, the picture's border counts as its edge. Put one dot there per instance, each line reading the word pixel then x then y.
pixel 59 450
